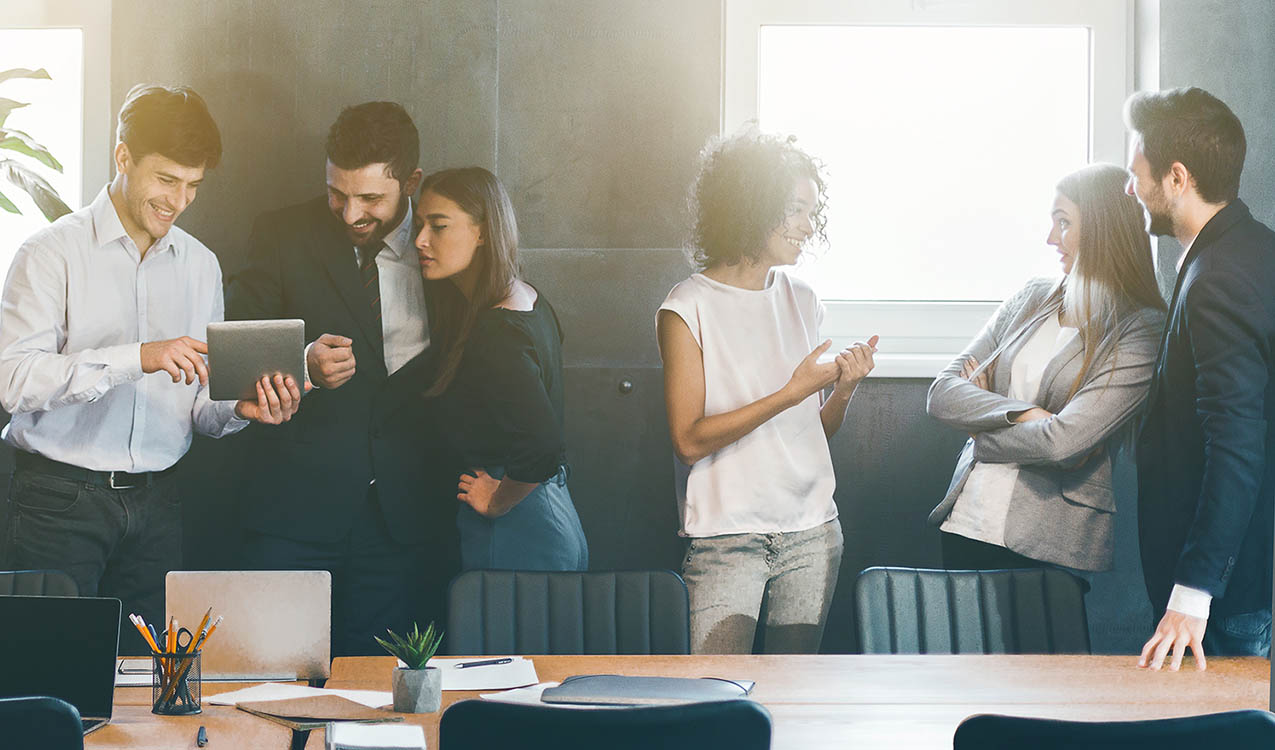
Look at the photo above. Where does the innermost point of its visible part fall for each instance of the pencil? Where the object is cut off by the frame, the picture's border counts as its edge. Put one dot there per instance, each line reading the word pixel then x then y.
pixel 199 631
pixel 140 624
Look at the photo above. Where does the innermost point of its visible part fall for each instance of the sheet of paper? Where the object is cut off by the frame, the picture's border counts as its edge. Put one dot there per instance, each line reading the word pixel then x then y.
pixel 530 696
pixel 133 680
pixel 519 672
pixel 349 736
pixel 273 691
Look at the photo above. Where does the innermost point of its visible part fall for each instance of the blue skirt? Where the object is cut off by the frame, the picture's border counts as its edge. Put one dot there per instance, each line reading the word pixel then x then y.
pixel 541 533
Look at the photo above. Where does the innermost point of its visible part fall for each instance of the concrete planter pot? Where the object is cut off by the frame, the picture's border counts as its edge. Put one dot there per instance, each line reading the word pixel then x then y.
pixel 418 691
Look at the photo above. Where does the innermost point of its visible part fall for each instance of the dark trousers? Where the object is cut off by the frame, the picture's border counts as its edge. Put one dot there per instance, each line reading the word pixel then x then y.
pixel 963 553
pixel 372 576
pixel 118 543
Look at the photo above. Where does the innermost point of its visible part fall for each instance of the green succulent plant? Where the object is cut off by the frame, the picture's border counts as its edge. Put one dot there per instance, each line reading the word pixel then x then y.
pixel 416 649
pixel 18 174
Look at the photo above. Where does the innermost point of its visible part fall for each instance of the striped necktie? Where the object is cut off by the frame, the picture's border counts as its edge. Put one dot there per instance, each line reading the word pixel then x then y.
pixel 371 278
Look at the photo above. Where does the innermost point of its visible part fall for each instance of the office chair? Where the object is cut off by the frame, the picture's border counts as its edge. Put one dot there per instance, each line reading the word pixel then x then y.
pixel 46 723
pixel 915 611
pixel 528 612
pixel 734 724
pixel 37 583
pixel 1233 729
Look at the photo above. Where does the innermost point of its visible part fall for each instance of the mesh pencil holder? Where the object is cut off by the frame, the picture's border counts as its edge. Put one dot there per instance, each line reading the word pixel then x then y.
pixel 176 684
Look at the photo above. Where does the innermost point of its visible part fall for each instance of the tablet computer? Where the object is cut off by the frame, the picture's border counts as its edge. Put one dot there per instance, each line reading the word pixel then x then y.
pixel 241 351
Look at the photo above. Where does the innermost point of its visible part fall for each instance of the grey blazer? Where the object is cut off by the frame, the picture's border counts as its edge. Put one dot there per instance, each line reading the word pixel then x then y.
pixel 1062 507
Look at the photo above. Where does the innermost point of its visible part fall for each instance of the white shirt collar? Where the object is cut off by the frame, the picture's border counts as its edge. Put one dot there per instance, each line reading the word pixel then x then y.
pixel 399 240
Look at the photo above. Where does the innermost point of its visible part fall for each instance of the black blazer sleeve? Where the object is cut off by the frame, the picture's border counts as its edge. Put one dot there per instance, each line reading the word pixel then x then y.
pixel 1229 330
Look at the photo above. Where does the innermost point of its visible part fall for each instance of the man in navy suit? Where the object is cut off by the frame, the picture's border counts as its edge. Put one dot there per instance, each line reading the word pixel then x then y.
pixel 1206 452
pixel 347 488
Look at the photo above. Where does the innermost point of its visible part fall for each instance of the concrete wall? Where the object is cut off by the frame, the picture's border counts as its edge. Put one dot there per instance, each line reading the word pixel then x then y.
pixel 592 113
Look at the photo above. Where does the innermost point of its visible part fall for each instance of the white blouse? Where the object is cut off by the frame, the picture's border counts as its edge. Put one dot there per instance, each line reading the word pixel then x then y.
pixel 778 477
pixel 982 506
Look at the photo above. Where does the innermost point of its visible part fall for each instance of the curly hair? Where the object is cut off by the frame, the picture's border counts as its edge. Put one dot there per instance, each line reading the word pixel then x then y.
pixel 741 194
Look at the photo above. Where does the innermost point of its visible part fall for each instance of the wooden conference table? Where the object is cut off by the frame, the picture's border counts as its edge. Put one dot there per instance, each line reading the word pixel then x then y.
pixel 888 702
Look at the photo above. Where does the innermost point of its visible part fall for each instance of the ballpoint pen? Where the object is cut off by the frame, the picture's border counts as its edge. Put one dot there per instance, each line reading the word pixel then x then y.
pixel 484 662
pixel 201 738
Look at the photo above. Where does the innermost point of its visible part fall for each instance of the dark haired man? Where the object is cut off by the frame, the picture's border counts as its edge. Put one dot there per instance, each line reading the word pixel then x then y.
pixel 102 367
pixel 1206 452
pixel 344 487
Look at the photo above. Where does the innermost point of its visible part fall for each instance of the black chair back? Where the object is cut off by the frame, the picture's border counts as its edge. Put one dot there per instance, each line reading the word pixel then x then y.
pixel 37 583
pixel 735 724
pixel 1233 729
pixel 46 723
pixel 604 612
pixel 916 611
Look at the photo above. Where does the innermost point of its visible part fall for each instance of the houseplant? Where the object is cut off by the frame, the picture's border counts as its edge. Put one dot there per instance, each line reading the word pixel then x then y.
pixel 418 687
pixel 17 174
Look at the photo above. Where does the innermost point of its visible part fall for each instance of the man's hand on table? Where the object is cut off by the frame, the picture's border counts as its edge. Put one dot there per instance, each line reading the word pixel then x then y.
pixel 1178 632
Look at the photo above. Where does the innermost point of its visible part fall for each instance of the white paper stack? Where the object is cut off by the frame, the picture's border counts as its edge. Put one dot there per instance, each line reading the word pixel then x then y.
pixel 351 736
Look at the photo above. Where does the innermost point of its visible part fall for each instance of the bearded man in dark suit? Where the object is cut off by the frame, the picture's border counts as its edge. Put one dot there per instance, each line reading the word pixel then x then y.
pixel 347 488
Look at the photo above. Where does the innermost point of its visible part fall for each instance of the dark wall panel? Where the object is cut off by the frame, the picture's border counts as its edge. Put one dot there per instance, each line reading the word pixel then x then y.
pixel 277 73
pixel 603 106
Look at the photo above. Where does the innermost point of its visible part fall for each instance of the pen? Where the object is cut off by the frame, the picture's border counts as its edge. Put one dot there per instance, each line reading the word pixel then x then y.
pixel 201 739
pixel 484 662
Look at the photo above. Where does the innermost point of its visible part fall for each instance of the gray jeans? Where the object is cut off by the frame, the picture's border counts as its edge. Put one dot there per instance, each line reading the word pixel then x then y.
pixel 734 577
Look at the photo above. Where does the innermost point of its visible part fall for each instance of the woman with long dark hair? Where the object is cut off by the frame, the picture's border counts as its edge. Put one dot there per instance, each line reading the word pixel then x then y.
pixel 1049 387
pixel 497 392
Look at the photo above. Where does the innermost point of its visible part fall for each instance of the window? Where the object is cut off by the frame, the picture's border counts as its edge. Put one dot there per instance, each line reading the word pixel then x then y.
pixel 944 126
pixel 69 114
pixel 53 118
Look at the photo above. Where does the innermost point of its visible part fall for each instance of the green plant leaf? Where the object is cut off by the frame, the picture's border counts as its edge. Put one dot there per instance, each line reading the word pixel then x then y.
pixel 8 205
pixel 7 106
pixel 24 73
pixel 45 197
pixel 16 140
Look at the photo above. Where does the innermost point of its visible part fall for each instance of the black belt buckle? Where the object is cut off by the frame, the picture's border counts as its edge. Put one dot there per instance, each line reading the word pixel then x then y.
pixel 127 481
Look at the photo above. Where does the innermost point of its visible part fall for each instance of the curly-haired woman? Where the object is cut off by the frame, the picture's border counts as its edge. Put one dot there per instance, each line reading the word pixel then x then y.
pixel 744 392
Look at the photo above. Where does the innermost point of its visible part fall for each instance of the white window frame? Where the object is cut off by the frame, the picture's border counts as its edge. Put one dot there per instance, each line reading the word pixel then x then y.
pixel 921 338
pixel 93 18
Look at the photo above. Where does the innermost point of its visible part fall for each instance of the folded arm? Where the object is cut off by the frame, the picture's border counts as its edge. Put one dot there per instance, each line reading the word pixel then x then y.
pixel 957 401
pixel 1111 394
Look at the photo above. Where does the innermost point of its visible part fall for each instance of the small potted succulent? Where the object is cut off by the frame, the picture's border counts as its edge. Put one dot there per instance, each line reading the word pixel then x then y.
pixel 418 687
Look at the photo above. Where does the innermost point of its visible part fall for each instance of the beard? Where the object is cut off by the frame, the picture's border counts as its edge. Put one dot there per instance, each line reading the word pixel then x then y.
pixel 1159 224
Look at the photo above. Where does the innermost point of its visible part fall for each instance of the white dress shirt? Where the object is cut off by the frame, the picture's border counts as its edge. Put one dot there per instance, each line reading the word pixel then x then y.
pixel 404 320
pixel 78 303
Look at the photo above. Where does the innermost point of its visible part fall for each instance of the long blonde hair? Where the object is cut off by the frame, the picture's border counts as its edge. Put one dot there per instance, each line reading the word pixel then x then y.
pixel 1113 277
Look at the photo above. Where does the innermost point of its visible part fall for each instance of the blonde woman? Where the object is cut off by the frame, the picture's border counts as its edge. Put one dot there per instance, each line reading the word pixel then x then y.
pixel 1047 388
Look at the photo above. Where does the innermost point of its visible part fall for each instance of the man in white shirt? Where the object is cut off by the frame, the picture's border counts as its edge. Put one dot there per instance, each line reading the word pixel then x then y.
pixel 102 366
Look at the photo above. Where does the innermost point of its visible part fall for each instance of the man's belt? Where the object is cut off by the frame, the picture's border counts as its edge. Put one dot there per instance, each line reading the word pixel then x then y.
pixel 115 480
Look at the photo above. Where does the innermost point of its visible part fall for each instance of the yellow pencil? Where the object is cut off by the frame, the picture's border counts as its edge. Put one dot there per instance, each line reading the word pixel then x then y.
pixel 140 624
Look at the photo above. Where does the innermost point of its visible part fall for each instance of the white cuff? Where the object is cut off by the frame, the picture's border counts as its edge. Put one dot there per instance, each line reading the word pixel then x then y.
pixel 1190 602
pixel 305 357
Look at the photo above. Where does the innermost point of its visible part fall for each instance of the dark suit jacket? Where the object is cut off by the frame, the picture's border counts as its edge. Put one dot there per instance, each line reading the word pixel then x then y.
pixel 306 477
pixel 1206 452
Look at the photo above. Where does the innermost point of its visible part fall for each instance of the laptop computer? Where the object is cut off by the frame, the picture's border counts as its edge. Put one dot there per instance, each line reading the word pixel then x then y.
pixel 64 647
pixel 276 624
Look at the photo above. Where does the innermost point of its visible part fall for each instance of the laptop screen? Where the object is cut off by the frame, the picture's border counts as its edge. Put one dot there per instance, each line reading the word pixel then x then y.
pixel 62 647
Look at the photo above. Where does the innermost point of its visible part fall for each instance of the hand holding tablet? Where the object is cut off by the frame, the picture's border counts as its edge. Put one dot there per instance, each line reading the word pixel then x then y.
pixel 258 363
